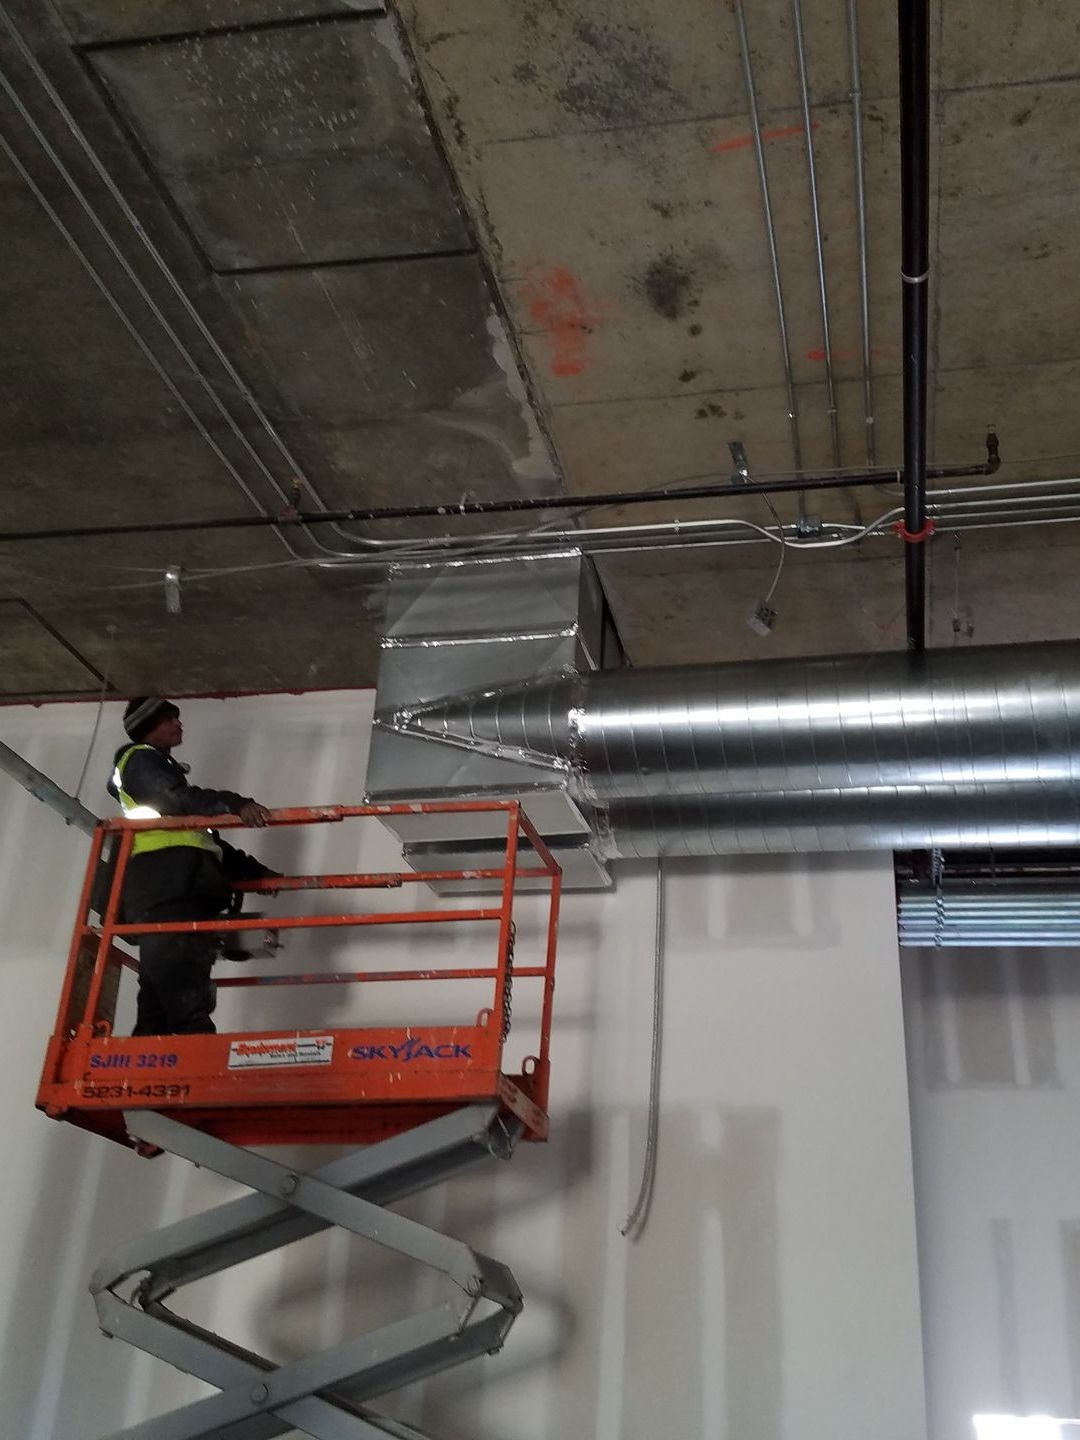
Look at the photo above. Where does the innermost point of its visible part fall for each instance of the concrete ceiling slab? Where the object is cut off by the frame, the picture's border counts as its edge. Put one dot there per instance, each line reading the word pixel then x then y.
pixel 686 261
pixel 845 604
pixel 274 143
pixel 1030 406
pixel 246 636
pixel 982 45
pixel 34 658
pixel 356 332
pixel 1011 588
pixel 400 381
pixel 697 614
pixel 603 153
pixel 504 71
pixel 635 444
pixel 62 339
pixel 1010 225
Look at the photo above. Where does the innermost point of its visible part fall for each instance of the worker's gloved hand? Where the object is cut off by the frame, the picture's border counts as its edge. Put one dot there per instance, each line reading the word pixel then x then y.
pixel 254 814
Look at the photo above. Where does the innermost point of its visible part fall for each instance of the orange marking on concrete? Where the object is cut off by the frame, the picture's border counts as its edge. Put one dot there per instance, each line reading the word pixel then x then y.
pixel 819 354
pixel 558 307
pixel 743 142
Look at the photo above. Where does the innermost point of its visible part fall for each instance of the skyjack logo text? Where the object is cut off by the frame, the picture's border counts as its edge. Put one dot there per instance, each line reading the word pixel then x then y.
pixel 411 1048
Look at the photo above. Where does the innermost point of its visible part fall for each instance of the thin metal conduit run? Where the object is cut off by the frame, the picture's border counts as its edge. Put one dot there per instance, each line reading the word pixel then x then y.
pixel 296 470
pixel 1026 504
pixel 1005 487
pixel 1008 522
pixel 639 1214
pixel 770 231
pixel 689 534
pixel 819 245
pixel 860 215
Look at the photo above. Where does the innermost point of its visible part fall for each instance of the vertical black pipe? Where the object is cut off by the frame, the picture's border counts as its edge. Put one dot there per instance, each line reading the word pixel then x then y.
pixel 914 18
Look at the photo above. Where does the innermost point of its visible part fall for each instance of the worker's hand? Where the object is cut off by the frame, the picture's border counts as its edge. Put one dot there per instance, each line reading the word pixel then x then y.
pixel 254 814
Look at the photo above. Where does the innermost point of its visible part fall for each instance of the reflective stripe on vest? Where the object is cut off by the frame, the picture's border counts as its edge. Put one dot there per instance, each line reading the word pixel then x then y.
pixel 146 840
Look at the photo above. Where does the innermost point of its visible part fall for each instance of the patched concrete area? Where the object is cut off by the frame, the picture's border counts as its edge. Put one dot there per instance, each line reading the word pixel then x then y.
pixel 284 146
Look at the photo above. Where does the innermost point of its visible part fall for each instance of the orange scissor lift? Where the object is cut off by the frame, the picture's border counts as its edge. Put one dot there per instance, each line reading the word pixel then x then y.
pixel 424 1102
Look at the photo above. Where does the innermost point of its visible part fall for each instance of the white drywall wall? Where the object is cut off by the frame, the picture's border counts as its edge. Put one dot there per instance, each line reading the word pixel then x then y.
pixel 773 1295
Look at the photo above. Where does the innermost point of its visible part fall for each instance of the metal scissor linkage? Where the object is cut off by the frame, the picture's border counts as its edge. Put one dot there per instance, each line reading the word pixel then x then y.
pixel 323 1395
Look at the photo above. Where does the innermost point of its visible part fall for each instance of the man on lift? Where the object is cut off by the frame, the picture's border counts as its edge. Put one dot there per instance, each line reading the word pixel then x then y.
pixel 175 874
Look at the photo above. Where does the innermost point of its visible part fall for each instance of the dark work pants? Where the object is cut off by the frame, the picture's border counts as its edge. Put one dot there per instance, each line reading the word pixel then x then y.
pixel 176 994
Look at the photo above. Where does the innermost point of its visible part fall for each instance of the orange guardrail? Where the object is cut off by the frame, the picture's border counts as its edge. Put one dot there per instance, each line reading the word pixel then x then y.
pixel 331 1085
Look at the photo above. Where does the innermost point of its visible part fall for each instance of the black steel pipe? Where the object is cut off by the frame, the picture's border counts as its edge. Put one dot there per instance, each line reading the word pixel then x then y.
pixel 717 489
pixel 914 24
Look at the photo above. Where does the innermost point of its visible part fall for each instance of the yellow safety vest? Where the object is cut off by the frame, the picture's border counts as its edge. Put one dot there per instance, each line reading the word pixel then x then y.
pixel 146 840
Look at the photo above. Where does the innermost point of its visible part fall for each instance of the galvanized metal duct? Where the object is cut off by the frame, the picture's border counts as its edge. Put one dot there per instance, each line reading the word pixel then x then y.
pixel 1021 918
pixel 959 748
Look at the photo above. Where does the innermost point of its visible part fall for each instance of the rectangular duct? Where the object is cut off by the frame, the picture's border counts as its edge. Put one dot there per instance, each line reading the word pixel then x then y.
pixel 470 628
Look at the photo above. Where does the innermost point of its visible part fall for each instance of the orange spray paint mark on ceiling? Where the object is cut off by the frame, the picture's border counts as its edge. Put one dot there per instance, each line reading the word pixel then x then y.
pixel 817 353
pixel 558 307
pixel 743 142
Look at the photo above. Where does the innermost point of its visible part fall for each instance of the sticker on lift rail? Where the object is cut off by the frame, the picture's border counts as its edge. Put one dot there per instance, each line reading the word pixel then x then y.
pixel 301 1050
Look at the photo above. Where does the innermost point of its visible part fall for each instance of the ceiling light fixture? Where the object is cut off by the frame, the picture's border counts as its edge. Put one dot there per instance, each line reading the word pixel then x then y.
pixel 1019 1427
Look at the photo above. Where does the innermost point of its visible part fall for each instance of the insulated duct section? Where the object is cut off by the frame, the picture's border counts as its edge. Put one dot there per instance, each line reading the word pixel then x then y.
pixel 959 748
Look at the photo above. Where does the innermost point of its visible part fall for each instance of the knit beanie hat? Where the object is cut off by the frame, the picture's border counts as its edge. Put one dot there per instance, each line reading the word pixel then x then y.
pixel 144 712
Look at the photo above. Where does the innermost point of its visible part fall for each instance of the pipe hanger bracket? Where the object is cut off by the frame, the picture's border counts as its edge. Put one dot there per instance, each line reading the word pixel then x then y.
pixel 915 537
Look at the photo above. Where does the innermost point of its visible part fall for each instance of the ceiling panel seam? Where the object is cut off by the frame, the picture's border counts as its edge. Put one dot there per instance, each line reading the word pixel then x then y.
pixel 77 655
pixel 357 262
pixel 356 11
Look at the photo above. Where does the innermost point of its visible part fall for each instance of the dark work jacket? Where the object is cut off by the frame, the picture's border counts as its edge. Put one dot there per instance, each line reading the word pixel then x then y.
pixel 192 883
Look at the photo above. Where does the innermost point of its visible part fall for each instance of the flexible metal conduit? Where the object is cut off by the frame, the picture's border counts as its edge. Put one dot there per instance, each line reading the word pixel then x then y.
pixel 973 747
pixel 639 1213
